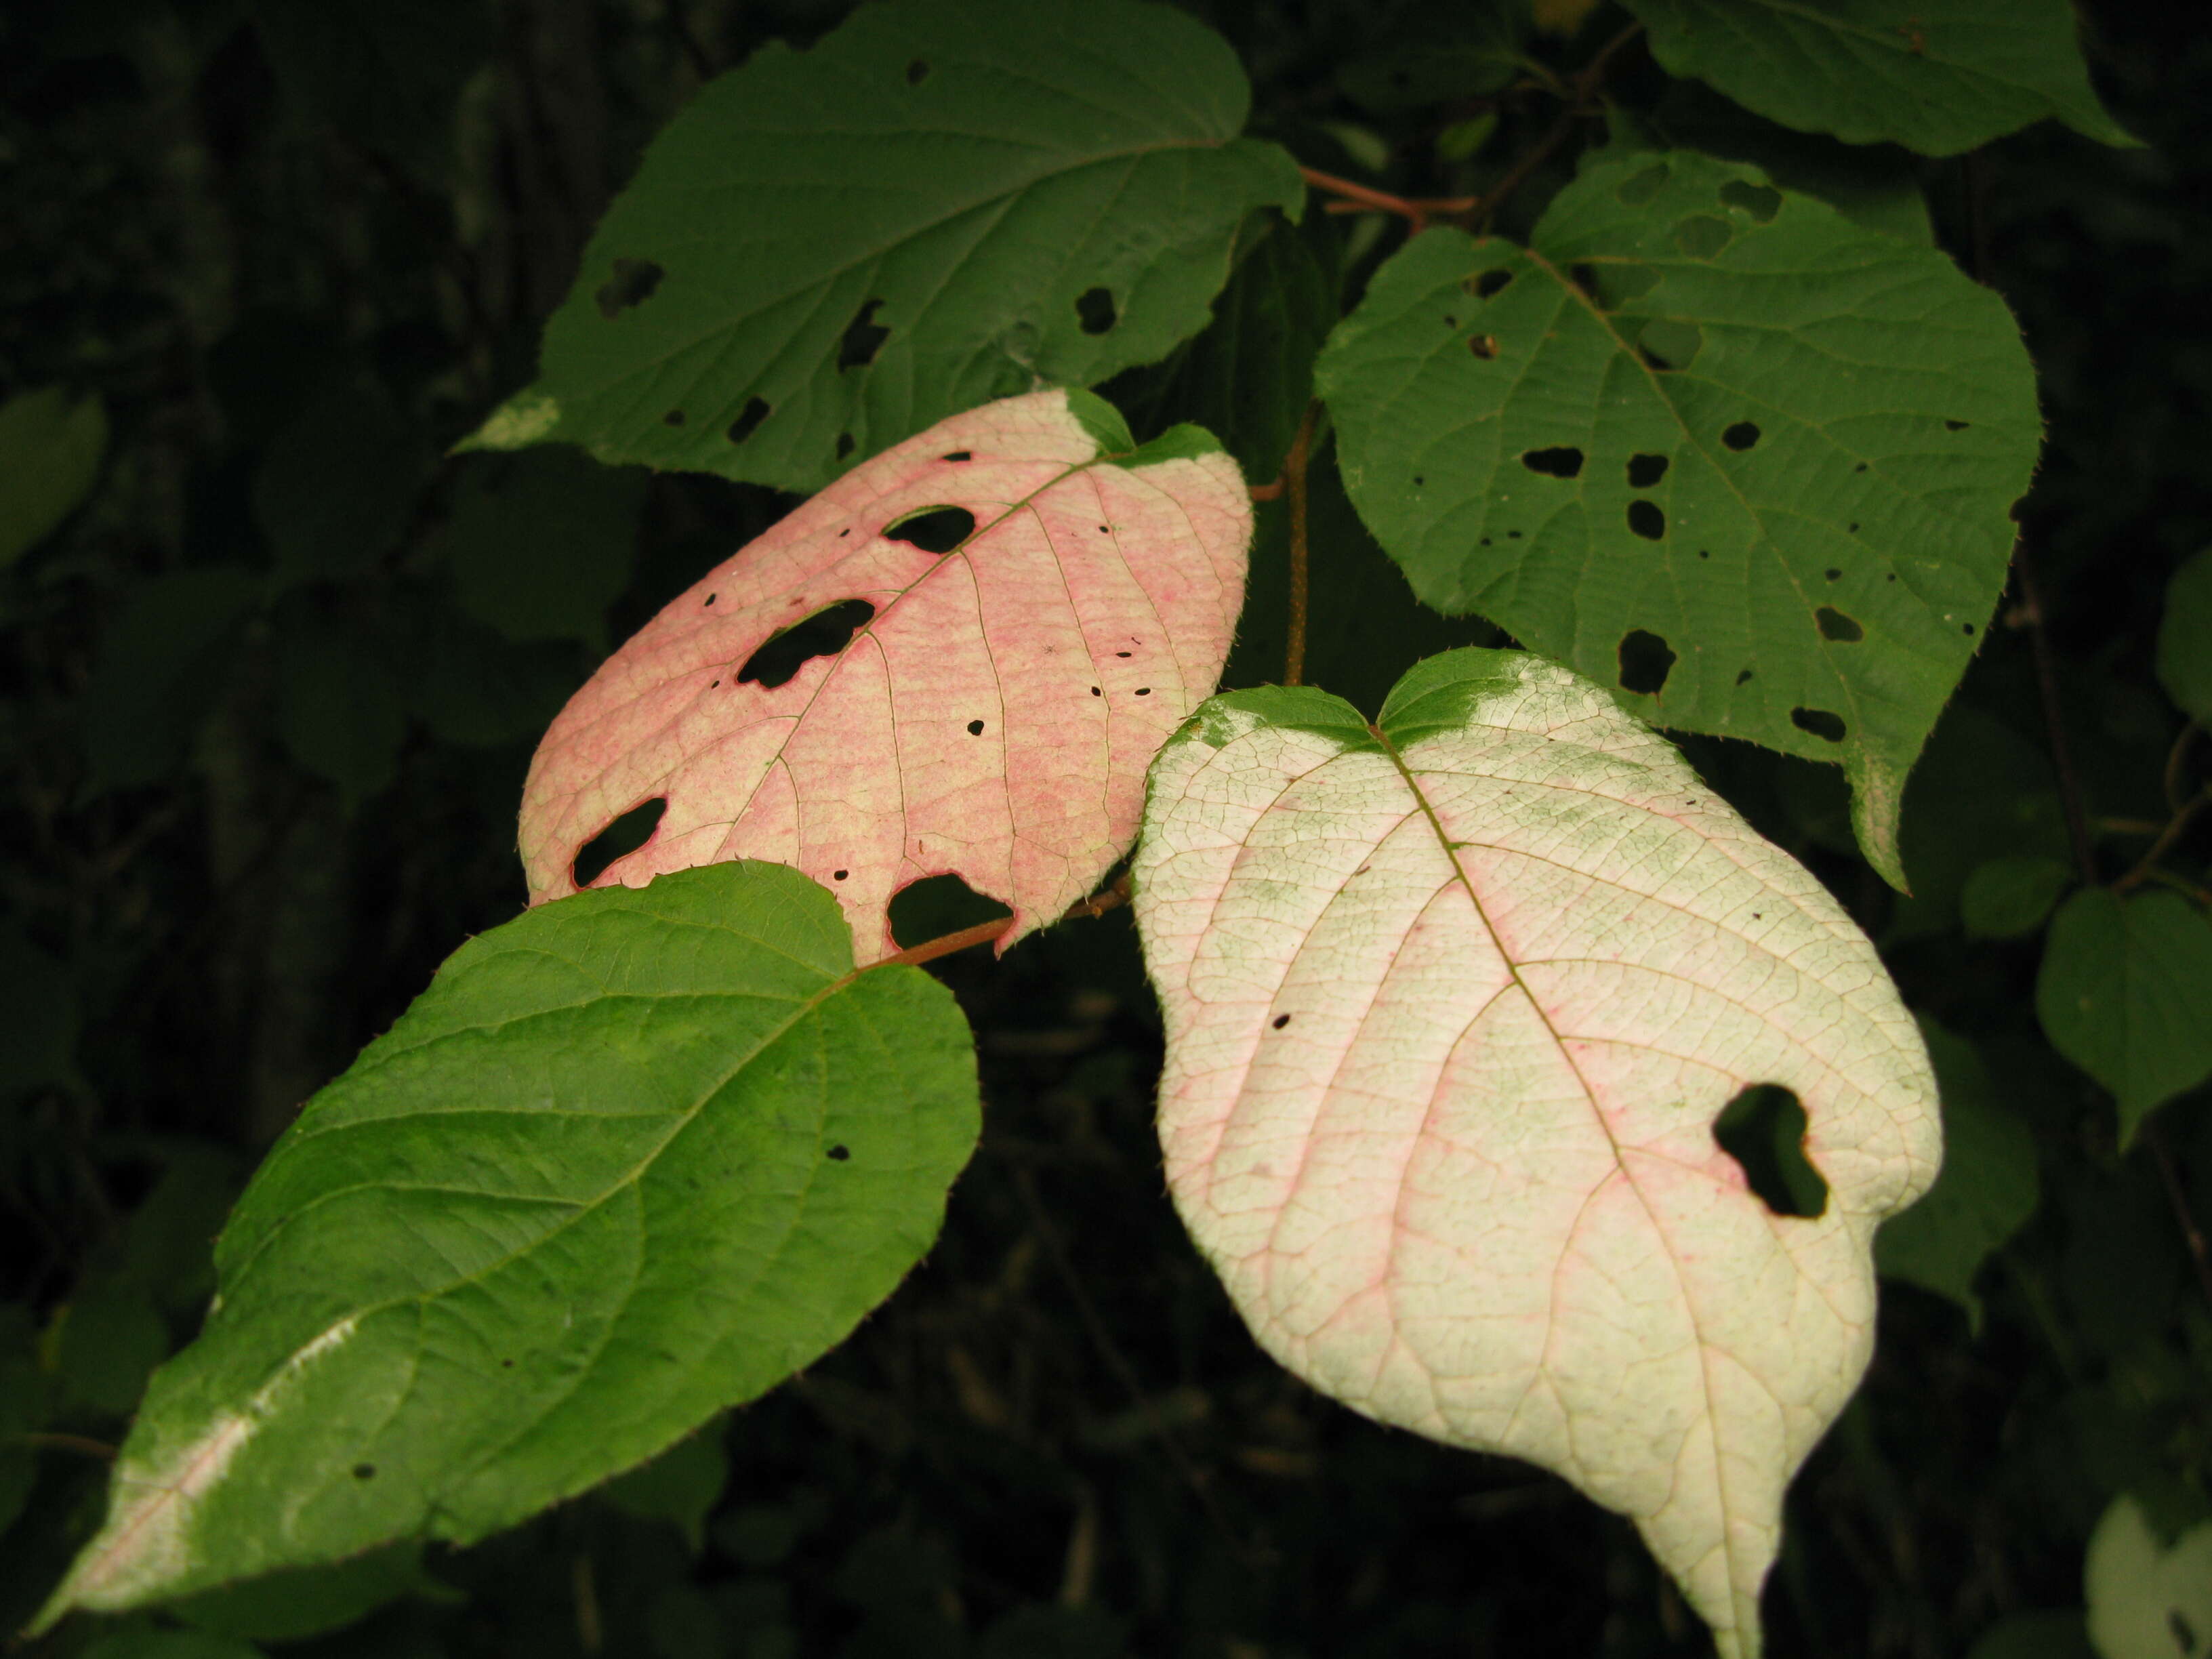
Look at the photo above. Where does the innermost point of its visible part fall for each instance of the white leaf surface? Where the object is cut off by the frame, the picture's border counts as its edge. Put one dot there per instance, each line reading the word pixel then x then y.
pixel 1452 1003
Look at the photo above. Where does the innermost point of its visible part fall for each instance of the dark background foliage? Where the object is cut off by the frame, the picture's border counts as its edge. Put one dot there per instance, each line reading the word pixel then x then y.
pixel 271 692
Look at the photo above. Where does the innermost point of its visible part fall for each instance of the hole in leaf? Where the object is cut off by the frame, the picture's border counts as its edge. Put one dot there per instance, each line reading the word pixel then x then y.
pixel 959 455
pixel 1484 346
pixel 674 417
pixel 838 1154
pixel 617 841
pixel 1490 285
pixel 1742 435
pixel 1744 678
pixel 755 411
pixel 1563 462
pixel 1761 202
pixel 1667 345
pixel 711 597
pixel 975 728
pixel 364 1471
pixel 1968 629
pixel 1280 1021
pixel 1646 659
pixel 937 905
pixel 1645 470
pixel 839 875
pixel 1820 722
pixel 1955 426
pixel 1094 309
pixel 844 445
pixel 1645 519
pixel 787 650
pixel 1704 236
pixel 916 72
pixel 1835 625
pixel 1833 574
pixel 1763 1129
pixel 1585 278
pixel 934 529
pixel 862 338
pixel 632 285
pixel 1640 187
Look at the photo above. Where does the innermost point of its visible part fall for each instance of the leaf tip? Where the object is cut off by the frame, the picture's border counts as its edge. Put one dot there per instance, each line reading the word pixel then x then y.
pixel 526 418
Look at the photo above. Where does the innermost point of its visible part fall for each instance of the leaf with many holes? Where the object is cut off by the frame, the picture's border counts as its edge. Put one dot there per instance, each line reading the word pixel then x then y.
pixel 943 201
pixel 628 1160
pixel 1708 441
pixel 1032 605
pixel 1453 1003
pixel 1938 77
pixel 2126 992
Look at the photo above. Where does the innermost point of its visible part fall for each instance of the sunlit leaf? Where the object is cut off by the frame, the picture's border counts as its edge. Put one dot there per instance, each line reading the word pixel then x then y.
pixel 1011 612
pixel 1709 443
pixel 1453 1003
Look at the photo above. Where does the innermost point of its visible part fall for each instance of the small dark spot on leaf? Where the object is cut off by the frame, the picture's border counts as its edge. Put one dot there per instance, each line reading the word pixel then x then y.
pixel 1281 1020
pixel 1492 284
pixel 1486 541
pixel 975 728
pixel 1891 577
pixel 1955 426
pixel 1761 202
pixel 1744 678
pixel 787 650
pixel 1645 519
pixel 839 875
pixel 619 839
pixel 1419 481
pixel 917 72
pixel 1123 653
pixel 1096 692
pixel 1742 435
pixel 674 417
pixel 1969 628
pixel 1563 462
pixel 1763 1129
pixel 1094 309
pixel 1835 625
pixel 1833 574
pixel 1850 530
pixel 755 411
pixel 507 1364
pixel 1705 553
pixel 713 683
pixel 1105 529
pixel 959 455
pixel 364 1471
pixel 1512 535
pixel 933 529
pixel 1144 691
pixel 839 1154
pixel 1484 346
pixel 1861 467
pixel 1451 322
pixel 1646 659
pixel 844 445
pixel 1820 722
pixel 1645 470
pixel 862 338
pixel 632 285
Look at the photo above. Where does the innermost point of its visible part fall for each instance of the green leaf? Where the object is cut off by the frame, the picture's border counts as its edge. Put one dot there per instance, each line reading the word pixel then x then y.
pixel 540 545
pixel 679 1486
pixel 1706 441
pixel 386 73
pixel 1988 1187
pixel 1980 791
pixel 111 1338
pixel 339 707
pixel 1939 76
pixel 24 1404
pixel 163 661
pixel 2055 1634
pixel 2126 994
pixel 50 445
pixel 336 484
pixel 2148 1598
pixel 2009 897
pixel 2184 639
pixel 631 1158
pixel 287 1607
pixel 942 203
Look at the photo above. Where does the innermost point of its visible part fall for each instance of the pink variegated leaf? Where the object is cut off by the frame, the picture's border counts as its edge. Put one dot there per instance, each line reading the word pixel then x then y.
pixel 1453 1003
pixel 992 715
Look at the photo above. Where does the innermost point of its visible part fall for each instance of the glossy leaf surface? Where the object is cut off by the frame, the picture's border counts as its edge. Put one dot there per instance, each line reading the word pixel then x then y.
pixel 992 713
pixel 1709 443
pixel 628 1160
pixel 1452 1004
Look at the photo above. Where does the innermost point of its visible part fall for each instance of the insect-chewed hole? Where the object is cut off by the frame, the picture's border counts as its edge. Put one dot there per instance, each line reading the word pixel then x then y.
pixel 617 841
pixel 631 284
pixel 1094 309
pixel 674 417
pixel 933 529
pixel 1563 462
pixel 1763 1129
pixel 1645 470
pixel 862 338
pixel 1742 435
pixel 937 905
pixel 1826 727
pixel 844 445
pixel 1955 426
pixel 917 72
pixel 958 455
pixel 787 650
pixel 1761 202
pixel 1645 519
pixel 1490 285
pixel 1702 235
pixel 748 419
pixel 1835 625
pixel 1484 346
pixel 1646 659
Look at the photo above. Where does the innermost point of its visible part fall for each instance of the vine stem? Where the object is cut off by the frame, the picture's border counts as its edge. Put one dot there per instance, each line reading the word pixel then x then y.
pixel 1294 476
pixel 2032 613
pixel 984 933
pixel 2177 1196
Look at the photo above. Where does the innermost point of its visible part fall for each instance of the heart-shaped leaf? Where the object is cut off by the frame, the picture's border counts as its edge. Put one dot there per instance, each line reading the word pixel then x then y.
pixel 1453 1003
pixel 628 1160
pixel 986 710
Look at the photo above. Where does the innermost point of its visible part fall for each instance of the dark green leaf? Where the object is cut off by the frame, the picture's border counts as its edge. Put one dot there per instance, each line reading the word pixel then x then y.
pixel 540 545
pixel 2057 1634
pixel 1939 76
pixel 38 1016
pixel 386 73
pixel 2126 994
pixel 336 484
pixel 1981 791
pixel 339 706
pixel 50 445
pixel 285 1607
pixel 679 1486
pixel 147 1642
pixel 633 1157
pixel 2009 897
pixel 2184 639
pixel 162 664
pixel 1706 441
pixel 111 1338
pixel 942 203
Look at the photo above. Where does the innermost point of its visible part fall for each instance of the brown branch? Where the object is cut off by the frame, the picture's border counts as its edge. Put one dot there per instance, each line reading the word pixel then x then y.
pixel 984 933
pixel 1417 211
pixel 2175 828
pixel 2030 611
pixel 77 1443
pixel 2177 1196
pixel 1294 474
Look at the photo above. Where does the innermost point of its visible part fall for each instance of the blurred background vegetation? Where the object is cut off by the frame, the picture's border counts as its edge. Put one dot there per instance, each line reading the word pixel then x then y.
pixel 273 671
